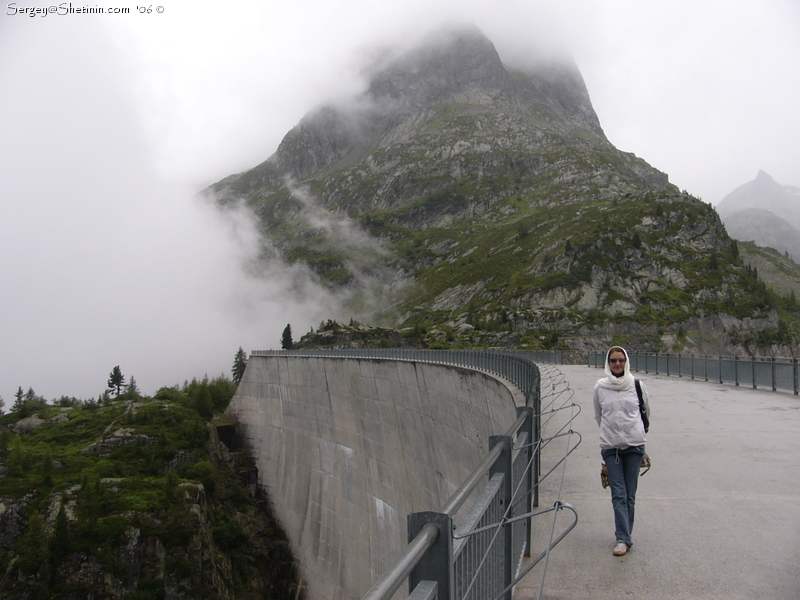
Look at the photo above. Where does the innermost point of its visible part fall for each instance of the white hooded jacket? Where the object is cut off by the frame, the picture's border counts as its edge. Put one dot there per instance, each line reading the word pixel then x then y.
pixel 616 409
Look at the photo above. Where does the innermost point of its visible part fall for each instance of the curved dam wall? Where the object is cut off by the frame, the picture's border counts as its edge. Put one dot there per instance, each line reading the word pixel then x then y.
pixel 348 447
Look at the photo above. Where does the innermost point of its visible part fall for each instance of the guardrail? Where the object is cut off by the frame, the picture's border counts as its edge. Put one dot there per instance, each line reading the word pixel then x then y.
pixel 480 557
pixel 759 372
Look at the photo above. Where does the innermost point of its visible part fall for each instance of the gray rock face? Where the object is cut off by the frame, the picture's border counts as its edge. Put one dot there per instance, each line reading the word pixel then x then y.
pixel 12 519
pixel 27 424
pixel 121 437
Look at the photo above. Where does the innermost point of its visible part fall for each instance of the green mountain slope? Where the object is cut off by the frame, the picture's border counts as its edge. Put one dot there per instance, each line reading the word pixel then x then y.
pixel 134 499
pixel 778 271
pixel 487 205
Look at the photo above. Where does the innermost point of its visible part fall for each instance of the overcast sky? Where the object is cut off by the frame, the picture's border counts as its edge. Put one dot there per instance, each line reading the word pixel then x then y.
pixel 110 123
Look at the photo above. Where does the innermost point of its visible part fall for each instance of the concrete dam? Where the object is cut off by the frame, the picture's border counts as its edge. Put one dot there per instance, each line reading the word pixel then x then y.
pixel 348 447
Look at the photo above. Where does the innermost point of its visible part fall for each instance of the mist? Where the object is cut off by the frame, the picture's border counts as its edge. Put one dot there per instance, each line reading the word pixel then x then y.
pixel 108 261
pixel 112 124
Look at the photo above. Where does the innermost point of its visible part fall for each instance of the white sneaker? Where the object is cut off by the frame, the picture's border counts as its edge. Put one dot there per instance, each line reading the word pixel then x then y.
pixel 620 549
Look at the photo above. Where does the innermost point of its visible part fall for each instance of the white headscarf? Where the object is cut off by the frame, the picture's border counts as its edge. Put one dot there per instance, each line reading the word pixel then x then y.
pixel 611 381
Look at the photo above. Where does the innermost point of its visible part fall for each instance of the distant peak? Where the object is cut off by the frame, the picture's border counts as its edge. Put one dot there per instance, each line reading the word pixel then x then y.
pixel 764 176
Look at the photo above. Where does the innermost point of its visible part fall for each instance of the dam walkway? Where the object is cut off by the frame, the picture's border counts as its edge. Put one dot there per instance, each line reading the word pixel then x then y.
pixel 717 516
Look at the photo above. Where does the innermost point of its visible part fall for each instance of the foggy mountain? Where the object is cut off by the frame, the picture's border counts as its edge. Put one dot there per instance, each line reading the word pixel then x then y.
pixel 765 228
pixel 765 212
pixel 764 193
pixel 484 205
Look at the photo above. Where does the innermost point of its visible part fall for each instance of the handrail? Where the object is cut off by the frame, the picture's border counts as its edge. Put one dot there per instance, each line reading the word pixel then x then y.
pixel 775 373
pixel 458 497
pixel 393 578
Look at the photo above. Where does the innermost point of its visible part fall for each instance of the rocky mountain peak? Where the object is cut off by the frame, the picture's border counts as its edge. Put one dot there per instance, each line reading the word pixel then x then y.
pixel 453 91
pixel 453 63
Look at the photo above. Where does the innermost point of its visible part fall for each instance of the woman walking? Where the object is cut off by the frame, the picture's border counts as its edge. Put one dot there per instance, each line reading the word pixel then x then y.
pixel 622 438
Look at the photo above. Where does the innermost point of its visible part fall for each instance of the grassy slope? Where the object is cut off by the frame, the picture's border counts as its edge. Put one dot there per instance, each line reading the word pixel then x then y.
pixel 135 486
pixel 778 271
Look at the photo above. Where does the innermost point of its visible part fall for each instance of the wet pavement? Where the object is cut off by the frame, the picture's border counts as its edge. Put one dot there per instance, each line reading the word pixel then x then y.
pixel 717 517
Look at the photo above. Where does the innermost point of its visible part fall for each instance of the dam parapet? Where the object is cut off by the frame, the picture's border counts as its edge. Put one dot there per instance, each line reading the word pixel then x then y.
pixel 348 447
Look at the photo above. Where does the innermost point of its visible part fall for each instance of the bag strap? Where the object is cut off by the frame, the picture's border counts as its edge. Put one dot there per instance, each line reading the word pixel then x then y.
pixel 645 420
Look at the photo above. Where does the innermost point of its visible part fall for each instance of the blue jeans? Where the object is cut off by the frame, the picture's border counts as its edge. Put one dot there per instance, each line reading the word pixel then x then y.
pixel 623 477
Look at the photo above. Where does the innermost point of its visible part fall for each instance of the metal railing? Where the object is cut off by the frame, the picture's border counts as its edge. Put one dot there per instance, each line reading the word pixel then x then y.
pixel 759 372
pixel 481 557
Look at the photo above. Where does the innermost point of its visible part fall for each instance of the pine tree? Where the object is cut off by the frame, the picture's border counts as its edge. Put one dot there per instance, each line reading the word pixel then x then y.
pixel 34 550
pixel 16 460
pixel 171 490
pixel 60 543
pixel 19 398
pixel 203 402
pixel 239 364
pixel 5 440
pixel 116 380
pixel 47 469
pixel 286 338
pixel 132 390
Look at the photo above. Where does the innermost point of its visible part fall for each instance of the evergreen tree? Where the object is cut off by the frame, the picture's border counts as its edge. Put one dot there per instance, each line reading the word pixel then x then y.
pixel 239 364
pixel 286 338
pixel 60 544
pixel 171 490
pixel 203 402
pixel 132 390
pixel 34 550
pixel 16 461
pixel 5 439
pixel 47 469
pixel 19 398
pixel 116 380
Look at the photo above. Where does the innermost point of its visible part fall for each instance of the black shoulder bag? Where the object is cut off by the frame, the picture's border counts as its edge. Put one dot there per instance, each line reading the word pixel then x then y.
pixel 646 422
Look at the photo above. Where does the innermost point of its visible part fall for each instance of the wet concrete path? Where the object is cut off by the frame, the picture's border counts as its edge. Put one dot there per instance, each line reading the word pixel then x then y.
pixel 717 517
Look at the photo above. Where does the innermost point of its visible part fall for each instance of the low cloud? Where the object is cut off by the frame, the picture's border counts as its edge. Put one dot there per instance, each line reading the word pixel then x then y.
pixel 106 261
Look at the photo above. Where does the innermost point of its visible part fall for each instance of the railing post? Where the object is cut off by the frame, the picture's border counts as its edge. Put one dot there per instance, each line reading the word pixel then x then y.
pixel 504 465
pixel 437 563
pixel 774 383
pixel 537 438
pixel 794 375
pixel 529 464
